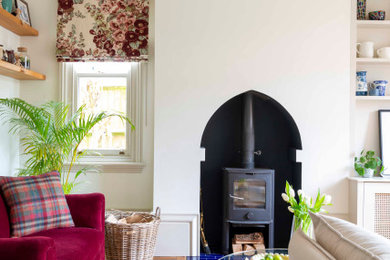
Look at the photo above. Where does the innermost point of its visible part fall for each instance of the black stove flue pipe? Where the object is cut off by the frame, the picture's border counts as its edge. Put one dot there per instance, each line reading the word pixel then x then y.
pixel 248 133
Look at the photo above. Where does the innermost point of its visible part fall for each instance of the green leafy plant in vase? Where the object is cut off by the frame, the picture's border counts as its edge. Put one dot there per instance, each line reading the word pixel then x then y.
pixel 303 206
pixel 368 164
pixel 51 136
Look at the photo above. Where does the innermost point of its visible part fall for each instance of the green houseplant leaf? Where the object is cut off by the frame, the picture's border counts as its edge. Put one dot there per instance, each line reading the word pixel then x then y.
pixel 50 136
pixel 367 160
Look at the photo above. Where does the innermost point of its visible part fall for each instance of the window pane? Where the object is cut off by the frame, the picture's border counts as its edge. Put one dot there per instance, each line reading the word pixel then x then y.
pixel 104 94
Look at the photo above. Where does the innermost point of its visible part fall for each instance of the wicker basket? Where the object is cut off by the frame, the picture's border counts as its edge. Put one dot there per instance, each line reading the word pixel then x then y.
pixel 134 241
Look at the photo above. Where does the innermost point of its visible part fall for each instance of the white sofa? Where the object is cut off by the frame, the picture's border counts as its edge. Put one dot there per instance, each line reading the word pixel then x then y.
pixel 338 239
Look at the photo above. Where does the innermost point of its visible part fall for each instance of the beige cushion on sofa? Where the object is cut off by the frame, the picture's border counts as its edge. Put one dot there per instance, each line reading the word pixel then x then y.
pixel 302 247
pixel 346 241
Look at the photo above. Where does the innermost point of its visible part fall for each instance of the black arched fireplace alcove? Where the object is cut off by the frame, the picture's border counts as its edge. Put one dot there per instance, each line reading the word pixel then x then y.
pixel 277 137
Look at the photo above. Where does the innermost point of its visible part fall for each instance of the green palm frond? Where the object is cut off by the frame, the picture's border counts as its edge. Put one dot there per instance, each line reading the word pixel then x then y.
pixel 31 117
pixel 51 136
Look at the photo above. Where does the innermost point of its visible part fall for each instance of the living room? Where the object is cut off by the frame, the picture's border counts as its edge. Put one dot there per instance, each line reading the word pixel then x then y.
pixel 184 94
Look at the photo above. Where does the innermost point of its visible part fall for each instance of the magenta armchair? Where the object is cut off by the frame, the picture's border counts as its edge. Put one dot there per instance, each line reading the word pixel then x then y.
pixel 85 241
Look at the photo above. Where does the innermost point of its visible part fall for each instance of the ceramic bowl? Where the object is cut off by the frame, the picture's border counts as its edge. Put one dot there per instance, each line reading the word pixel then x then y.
pixel 376 15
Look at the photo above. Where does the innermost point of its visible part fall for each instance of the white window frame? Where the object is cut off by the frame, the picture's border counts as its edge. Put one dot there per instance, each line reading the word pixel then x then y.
pixel 136 83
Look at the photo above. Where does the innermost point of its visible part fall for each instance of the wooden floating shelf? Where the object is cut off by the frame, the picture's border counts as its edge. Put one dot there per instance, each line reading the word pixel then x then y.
pixel 372 61
pixel 373 98
pixel 16 72
pixel 15 25
pixel 373 24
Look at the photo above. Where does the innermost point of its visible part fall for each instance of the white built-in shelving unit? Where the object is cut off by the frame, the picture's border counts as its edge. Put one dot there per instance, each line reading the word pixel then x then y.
pixel 377 32
pixel 364 110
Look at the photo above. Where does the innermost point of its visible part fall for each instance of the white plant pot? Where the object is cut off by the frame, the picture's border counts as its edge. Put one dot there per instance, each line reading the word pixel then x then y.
pixel 368 173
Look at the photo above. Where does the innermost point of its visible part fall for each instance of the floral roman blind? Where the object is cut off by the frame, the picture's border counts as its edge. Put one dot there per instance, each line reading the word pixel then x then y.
pixel 102 30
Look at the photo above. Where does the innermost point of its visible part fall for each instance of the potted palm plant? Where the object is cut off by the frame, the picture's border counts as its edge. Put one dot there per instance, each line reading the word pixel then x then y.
pixel 50 136
pixel 368 164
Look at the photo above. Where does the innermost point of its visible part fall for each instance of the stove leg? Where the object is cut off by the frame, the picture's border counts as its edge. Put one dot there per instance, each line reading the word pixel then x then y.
pixel 225 238
pixel 271 235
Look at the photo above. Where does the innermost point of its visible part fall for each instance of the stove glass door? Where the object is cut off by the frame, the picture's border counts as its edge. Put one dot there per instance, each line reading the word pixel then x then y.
pixel 249 193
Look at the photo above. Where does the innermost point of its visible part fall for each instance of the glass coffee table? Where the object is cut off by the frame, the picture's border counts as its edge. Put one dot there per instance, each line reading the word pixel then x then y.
pixel 256 254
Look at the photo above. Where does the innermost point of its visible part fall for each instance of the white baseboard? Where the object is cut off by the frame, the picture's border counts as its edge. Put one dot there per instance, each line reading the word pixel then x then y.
pixel 178 235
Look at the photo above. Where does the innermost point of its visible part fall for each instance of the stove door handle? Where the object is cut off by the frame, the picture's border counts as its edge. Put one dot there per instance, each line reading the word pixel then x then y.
pixel 235 197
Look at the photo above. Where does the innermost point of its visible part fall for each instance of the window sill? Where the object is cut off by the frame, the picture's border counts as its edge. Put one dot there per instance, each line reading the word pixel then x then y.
pixel 110 167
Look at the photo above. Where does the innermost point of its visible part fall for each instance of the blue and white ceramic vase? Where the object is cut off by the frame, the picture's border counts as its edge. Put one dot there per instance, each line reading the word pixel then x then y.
pixel 7 5
pixel 381 85
pixel 361 83
pixel 361 9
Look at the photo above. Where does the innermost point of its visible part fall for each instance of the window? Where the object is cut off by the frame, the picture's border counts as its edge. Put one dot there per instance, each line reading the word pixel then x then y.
pixel 98 88
pixel 107 86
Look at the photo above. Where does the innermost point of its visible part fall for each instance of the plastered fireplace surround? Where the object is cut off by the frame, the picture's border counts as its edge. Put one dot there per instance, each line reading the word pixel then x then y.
pixel 250 137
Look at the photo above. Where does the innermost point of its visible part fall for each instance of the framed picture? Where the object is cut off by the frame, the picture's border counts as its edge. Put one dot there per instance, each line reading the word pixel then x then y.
pixel 24 12
pixel 384 139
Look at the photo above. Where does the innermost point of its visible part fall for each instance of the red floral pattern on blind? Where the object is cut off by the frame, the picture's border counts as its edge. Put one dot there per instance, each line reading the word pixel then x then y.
pixel 102 30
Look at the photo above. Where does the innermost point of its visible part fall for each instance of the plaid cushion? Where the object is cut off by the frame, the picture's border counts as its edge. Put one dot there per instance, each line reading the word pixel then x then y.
pixel 35 203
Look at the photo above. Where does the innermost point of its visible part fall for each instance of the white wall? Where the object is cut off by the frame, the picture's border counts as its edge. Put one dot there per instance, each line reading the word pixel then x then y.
pixel 122 190
pixel 9 88
pixel 42 53
pixel 209 51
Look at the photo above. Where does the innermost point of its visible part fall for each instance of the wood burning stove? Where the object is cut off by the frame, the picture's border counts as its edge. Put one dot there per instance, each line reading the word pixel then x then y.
pixel 248 201
pixel 248 192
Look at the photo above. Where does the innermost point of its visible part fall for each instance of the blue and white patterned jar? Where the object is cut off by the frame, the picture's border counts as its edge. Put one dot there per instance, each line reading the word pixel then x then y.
pixel 361 83
pixel 381 86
